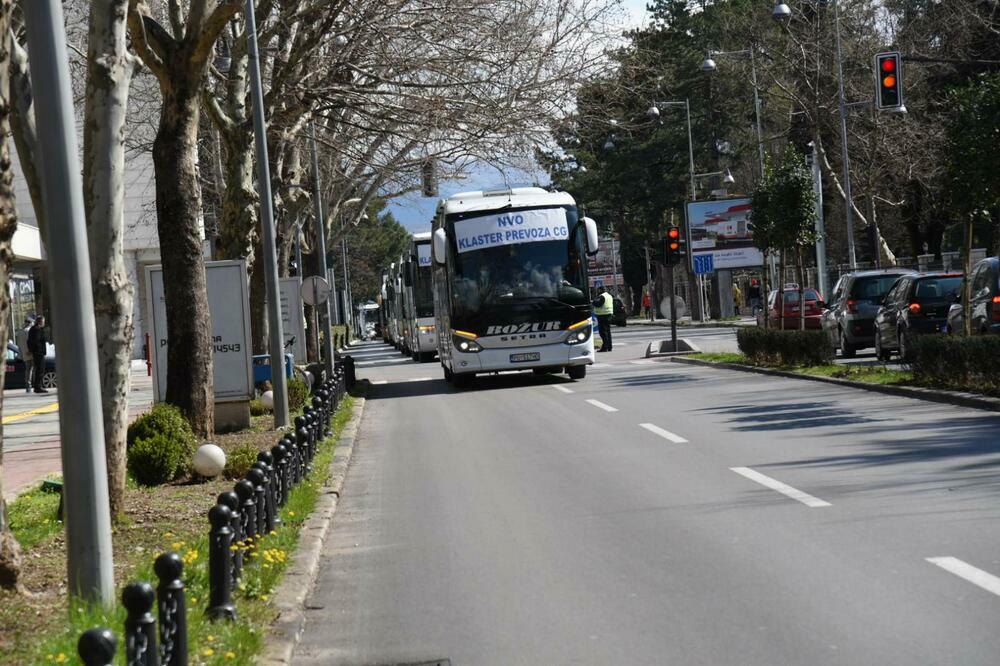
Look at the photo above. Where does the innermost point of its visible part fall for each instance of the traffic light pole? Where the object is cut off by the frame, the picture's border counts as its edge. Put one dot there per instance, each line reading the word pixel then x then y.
pixel 673 309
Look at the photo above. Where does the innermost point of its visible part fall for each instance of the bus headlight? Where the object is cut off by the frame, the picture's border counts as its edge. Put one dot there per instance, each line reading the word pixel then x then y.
pixel 466 345
pixel 578 336
pixel 426 329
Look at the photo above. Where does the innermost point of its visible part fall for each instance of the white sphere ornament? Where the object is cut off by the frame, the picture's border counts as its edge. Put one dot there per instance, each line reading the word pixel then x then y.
pixel 209 460
pixel 267 397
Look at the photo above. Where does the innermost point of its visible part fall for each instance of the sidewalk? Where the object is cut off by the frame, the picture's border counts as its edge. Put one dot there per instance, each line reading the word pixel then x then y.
pixel 31 431
pixel 686 322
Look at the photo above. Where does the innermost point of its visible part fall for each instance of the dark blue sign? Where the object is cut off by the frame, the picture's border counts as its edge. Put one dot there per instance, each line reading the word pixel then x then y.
pixel 703 264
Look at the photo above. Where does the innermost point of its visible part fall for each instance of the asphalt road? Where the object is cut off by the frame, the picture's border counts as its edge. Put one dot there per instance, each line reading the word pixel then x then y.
pixel 655 513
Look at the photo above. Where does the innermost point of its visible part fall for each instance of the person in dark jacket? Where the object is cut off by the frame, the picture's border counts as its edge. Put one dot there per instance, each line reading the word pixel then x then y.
pixel 37 345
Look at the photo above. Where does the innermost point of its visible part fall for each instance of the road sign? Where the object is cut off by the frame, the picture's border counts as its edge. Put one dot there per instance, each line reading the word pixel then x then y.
pixel 703 264
pixel 315 290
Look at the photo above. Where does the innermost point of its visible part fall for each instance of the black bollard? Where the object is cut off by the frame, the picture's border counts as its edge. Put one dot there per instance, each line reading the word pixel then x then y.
pixel 140 625
pixel 349 375
pixel 172 609
pixel 248 509
pixel 302 438
pixel 267 525
pixel 278 453
pixel 220 538
pixel 97 647
pixel 272 489
pixel 232 501
pixel 256 477
pixel 288 441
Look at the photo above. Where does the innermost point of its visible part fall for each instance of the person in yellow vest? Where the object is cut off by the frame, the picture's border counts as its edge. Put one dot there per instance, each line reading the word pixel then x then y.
pixel 604 307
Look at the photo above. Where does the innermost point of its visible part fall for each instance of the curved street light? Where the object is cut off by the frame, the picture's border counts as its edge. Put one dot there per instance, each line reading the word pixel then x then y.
pixel 782 12
pixel 708 65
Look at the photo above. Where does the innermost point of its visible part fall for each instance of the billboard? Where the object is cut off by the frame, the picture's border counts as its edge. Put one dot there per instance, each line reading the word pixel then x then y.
pixel 229 305
pixel 604 268
pixel 723 230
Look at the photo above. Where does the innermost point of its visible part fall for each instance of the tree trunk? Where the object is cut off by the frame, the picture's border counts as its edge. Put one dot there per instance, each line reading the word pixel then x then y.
pixel 178 210
pixel 25 132
pixel 10 550
pixel 108 78
pixel 238 224
pixel 258 298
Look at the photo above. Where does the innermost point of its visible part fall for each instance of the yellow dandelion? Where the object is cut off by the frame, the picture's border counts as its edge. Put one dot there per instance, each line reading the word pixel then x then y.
pixel 61 658
pixel 263 597
pixel 291 513
pixel 209 638
pixel 177 545
pixel 194 600
pixel 273 533
pixel 168 535
pixel 230 655
pixel 207 652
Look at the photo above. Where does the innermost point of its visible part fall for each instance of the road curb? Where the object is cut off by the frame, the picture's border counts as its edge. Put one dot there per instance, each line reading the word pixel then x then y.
pixel 290 597
pixel 956 398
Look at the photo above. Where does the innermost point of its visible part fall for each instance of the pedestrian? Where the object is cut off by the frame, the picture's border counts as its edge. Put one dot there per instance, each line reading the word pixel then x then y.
pixel 21 340
pixel 604 307
pixel 647 306
pixel 37 346
pixel 737 298
pixel 754 294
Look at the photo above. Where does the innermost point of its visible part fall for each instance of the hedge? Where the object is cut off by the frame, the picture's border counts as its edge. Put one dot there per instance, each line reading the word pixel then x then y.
pixel 948 361
pixel 784 348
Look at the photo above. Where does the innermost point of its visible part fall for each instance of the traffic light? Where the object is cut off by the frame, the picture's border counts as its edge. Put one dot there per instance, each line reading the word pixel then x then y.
pixel 889 89
pixel 673 246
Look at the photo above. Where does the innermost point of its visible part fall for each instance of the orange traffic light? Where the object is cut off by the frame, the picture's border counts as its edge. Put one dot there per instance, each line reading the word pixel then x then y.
pixel 889 90
pixel 673 246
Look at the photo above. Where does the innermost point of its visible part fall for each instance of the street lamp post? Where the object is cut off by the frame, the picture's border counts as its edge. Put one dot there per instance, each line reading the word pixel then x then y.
pixel 276 338
pixel 654 113
pixel 783 13
pixel 708 65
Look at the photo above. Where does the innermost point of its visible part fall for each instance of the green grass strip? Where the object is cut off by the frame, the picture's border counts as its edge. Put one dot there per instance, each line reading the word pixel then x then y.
pixel 265 561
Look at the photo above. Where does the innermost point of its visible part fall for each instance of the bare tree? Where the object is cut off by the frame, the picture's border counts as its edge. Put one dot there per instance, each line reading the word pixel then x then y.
pixel 109 74
pixel 10 551
pixel 179 58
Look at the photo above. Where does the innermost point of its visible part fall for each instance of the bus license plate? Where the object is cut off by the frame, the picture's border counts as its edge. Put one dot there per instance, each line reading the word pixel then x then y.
pixel 523 358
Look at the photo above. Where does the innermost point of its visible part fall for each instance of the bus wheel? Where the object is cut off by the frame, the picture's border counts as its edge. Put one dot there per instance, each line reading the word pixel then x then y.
pixel 576 371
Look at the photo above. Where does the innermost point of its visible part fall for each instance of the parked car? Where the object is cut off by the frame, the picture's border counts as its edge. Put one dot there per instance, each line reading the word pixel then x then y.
pixel 849 317
pixel 985 300
pixel 14 376
pixel 916 304
pixel 783 309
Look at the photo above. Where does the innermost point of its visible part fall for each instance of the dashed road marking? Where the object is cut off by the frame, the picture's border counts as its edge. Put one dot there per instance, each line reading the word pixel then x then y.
pixel 665 434
pixel 784 489
pixel 642 362
pixel 564 389
pixel 974 575
pixel 601 405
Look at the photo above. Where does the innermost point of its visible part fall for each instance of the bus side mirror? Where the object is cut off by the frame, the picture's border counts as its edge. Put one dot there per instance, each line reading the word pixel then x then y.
pixel 592 241
pixel 440 246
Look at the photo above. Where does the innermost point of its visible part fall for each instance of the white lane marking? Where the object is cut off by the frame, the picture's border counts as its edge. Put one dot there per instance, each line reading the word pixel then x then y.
pixel 601 405
pixel 665 434
pixel 782 488
pixel 642 362
pixel 388 360
pixel 976 576
pixel 421 379
pixel 381 381
pixel 564 389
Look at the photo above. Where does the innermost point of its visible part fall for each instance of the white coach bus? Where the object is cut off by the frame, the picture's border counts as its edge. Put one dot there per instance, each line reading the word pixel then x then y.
pixel 510 283
pixel 418 301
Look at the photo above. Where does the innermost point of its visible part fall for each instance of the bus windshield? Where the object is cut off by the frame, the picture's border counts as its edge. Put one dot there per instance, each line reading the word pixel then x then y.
pixel 522 274
pixel 423 296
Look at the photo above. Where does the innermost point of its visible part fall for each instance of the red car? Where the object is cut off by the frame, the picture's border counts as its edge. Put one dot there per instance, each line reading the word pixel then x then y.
pixel 785 306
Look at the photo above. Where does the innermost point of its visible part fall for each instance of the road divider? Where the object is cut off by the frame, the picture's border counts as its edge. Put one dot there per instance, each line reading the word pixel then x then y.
pixel 972 574
pixel 601 405
pixel 783 488
pixel 665 434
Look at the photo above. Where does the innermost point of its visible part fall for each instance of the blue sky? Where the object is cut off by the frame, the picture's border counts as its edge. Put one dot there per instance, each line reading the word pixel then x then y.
pixel 414 211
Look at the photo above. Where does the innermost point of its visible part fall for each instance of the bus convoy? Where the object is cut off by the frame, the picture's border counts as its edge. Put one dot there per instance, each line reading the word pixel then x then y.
pixel 500 283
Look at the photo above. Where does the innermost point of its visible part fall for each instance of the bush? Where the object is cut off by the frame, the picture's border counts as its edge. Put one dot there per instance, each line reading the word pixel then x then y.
pixel 257 408
pixel 298 393
pixel 784 348
pixel 154 460
pixel 969 364
pixel 167 421
pixel 239 461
